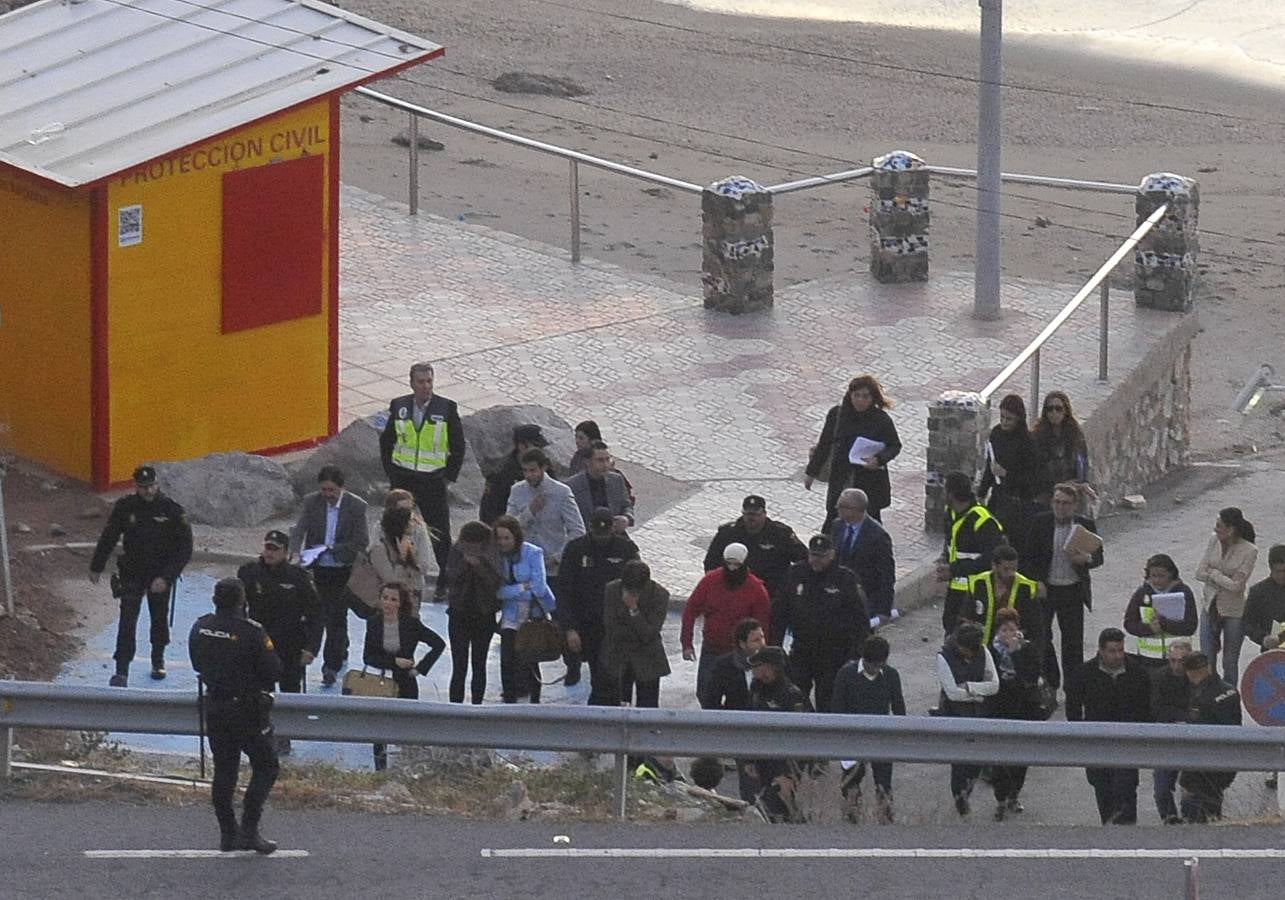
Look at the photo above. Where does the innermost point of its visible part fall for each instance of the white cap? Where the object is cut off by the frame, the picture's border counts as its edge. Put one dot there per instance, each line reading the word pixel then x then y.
pixel 736 551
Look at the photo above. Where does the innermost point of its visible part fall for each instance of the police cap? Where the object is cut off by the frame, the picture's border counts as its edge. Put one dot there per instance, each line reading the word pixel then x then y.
pixel 754 503
pixel 768 656
pixel 275 538
pixel 820 544
pixel 144 476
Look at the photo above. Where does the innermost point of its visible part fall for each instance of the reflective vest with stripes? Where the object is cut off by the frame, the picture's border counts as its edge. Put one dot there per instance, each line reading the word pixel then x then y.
pixel 960 582
pixel 424 450
pixel 988 614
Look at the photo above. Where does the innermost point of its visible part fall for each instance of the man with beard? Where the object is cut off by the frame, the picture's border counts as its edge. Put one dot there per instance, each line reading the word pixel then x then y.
pixel 822 607
pixel 588 563
pixel 280 596
pixel 772 691
pixel 773 546
pixel 729 688
pixel 722 598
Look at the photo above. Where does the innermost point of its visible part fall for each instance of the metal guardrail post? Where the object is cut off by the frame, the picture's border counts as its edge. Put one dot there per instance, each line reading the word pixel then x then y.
pixel 412 187
pixel 622 784
pixel 1035 381
pixel 6 576
pixel 575 211
pixel 1104 315
pixel 6 752
pixel 1193 878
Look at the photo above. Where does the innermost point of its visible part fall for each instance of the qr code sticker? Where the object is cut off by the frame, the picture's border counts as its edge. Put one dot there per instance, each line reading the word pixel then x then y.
pixel 129 222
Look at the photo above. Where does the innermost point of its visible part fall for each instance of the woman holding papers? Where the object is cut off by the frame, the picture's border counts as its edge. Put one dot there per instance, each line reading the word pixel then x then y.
pixel 1224 570
pixel 859 439
pixel 1161 609
pixel 1012 474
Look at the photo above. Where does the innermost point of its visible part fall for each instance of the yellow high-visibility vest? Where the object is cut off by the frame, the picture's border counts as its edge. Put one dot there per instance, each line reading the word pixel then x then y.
pixel 424 450
pixel 1019 581
pixel 960 582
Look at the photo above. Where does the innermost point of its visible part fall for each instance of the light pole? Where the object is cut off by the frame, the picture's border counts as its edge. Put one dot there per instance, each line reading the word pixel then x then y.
pixel 990 135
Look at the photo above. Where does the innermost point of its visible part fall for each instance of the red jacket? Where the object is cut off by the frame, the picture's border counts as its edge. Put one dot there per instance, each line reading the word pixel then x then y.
pixel 722 608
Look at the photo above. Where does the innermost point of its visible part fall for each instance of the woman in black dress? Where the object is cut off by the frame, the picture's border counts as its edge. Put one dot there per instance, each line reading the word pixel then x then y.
pixel 1012 475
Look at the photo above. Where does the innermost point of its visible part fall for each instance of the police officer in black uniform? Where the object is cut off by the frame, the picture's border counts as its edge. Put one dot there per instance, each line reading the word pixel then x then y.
pixel 771 690
pixel 238 665
pixel 823 607
pixel 157 545
pixel 1213 702
pixel 773 545
pixel 282 598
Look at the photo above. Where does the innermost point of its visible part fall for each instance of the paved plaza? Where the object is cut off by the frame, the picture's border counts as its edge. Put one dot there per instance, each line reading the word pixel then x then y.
pixel 726 405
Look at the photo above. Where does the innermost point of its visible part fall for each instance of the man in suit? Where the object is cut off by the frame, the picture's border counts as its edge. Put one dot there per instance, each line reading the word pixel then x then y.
pixel 1063 578
pixel 422 449
pixel 600 486
pixel 334 520
pixel 863 546
pixel 546 510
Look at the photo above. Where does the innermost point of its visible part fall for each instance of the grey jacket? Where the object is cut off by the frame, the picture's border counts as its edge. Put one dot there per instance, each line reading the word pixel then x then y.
pixel 351 533
pixel 633 638
pixel 617 495
pixel 556 524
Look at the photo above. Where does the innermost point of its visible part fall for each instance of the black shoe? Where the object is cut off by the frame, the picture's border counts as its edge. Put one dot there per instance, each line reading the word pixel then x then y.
pixel 961 804
pixel 328 677
pixel 119 680
pixel 573 676
pixel 282 746
pixel 158 672
pixel 227 841
pixel 1000 810
pixel 252 840
pixel 1015 805
pixel 1270 783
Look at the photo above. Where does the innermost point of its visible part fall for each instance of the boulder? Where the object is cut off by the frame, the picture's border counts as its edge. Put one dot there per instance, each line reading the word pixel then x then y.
pixel 355 450
pixel 225 489
pixel 490 434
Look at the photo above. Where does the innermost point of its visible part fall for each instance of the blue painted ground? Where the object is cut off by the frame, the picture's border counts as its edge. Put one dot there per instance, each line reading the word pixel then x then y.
pixel 95 667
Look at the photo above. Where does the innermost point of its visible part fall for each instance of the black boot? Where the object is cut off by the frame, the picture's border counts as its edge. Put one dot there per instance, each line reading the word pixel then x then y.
pixel 248 839
pixel 158 664
pixel 227 841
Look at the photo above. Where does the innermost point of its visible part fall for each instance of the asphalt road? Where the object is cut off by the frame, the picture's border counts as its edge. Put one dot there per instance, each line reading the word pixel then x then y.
pixel 43 854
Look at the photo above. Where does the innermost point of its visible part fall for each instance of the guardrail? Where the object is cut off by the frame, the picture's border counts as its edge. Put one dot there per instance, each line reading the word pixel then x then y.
pixel 624 731
pixel 1099 280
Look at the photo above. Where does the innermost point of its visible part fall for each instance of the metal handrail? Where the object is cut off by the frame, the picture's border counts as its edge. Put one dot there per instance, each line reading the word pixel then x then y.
pixel 1032 350
pixel 624 730
pixel 804 184
pixel 1103 187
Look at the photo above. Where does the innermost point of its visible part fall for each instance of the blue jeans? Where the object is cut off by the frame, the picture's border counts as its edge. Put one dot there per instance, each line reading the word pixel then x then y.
pixel 1233 635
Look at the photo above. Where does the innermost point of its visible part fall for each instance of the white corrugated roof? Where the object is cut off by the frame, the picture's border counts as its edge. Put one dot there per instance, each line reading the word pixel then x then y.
pixel 89 88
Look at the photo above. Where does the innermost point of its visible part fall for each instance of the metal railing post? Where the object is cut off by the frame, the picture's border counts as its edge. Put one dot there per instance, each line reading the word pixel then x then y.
pixel 622 784
pixel 413 182
pixel 1104 315
pixel 575 211
pixel 1035 381
pixel 6 576
pixel 6 752
pixel 1193 878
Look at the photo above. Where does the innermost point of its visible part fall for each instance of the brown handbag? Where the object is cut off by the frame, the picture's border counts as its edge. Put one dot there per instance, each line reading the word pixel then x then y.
pixel 538 640
pixel 368 684
pixel 364 582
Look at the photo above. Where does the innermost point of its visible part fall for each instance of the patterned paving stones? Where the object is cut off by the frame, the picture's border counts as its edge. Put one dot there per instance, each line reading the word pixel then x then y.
pixel 731 404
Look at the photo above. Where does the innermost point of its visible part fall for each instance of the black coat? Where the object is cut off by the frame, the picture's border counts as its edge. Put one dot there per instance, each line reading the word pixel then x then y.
pixel 772 551
pixel 232 654
pixel 587 566
pixel 403 408
pixel 823 610
pixel 157 538
pixel 411 633
pixel 728 686
pixel 284 601
pixel 843 425
pixel 1018 695
pixel 1040 552
pixel 1094 696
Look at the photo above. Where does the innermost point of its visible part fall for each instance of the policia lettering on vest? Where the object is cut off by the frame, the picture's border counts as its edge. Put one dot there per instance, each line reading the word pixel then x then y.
pixel 972 533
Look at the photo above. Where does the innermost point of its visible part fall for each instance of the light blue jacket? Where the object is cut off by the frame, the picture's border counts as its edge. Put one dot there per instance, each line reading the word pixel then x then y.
pixel 526 566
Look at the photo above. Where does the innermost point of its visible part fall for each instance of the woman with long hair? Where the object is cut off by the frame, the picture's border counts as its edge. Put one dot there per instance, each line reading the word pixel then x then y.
pixel 1063 452
pixel 473 602
pixel 1011 475
pixel 421 533
pixel 863 414
pixel 392 553
pixel 524 593
pixel 1224 570
pixel 393 633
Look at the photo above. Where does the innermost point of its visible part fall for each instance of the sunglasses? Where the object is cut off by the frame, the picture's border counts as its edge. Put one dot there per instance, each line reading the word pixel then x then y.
pixel 1055 407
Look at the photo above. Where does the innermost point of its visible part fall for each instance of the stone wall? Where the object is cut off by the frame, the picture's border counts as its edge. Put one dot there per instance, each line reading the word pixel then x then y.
pixel 899 218
pixel 737 247
pixel 1165 259
pixel 1142 430
pixel 958 424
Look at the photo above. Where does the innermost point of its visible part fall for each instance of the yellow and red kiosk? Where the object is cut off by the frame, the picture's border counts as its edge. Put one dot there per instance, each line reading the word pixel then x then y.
pixel 169 210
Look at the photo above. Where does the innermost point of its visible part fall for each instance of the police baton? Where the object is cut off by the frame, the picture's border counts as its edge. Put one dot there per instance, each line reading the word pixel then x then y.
pixel 173 599
pixel 200 714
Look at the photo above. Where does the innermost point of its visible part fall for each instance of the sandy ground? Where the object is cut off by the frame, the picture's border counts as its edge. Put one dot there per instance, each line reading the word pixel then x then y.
pixel 700 96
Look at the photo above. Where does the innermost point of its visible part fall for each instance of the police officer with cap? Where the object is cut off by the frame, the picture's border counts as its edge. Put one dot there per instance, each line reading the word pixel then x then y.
pixel 773 545
pixel 823 607
pixel 281 597
pixel 157 545
pixel 772 690
pixel 238 665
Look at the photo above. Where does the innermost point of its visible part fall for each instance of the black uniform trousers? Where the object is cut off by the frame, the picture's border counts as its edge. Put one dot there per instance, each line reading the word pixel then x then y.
pixel 131 604
pixel 430 496
pixel 1116 791
pixel 292 670
pixel 233 729
pixel 1066 602
pixel 816 666
pixel 407 689
pixel 332 582
pixel 470 644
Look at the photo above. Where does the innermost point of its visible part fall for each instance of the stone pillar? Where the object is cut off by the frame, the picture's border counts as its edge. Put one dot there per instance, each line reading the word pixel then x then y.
pixel 958 424
pixel 899 218
pixel 1165 260
pixel 736 269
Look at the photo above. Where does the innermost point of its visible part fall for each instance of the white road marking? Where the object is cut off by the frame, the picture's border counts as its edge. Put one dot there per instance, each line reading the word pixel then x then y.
pixel 190 854
pixel 875 853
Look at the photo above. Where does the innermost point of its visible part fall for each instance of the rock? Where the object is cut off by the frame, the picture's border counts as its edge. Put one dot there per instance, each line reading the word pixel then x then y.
pixel 514 803
pixel 1042 222
pixel 93 511
pixel 1134 501
pixel 490 434
pixel 402 139
pixel 395 791
pixel 530 83
pixel 355 450
pixel 49 486
pixel 229 488
pixel 56 530
pixel 23 528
